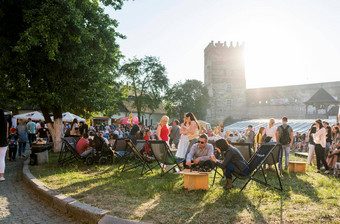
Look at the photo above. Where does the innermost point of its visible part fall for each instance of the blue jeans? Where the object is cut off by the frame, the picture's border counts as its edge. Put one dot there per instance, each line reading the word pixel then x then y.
pixel 286 150
pixel 22 148
pixel 328 145
pixel 231 167
pixel 31 138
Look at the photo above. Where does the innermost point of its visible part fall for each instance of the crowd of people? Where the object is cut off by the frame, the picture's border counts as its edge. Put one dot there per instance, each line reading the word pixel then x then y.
pixel 192 141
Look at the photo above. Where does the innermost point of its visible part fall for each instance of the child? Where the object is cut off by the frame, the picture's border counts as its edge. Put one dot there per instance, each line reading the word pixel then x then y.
pixel 12 144
pixel 147 138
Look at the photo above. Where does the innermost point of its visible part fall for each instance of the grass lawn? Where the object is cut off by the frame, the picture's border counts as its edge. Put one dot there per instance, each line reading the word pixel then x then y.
pixel 307 198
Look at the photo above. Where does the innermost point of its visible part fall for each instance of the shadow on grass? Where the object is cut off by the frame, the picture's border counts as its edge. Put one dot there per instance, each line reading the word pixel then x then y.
pixel 159 200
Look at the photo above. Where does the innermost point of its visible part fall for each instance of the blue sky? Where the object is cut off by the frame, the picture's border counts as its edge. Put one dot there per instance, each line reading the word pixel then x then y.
pixel 287 42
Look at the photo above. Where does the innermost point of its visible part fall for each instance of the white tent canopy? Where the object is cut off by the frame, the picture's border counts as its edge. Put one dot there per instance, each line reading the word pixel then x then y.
pixel 298 125
pixel 69 117
pixel 35 116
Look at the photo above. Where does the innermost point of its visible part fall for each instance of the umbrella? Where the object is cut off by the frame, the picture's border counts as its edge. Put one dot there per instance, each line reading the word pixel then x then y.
pixel 126 120
pixel 35 115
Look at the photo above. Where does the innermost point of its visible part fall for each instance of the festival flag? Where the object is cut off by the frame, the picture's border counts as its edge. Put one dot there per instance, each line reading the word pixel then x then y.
pixel 130 118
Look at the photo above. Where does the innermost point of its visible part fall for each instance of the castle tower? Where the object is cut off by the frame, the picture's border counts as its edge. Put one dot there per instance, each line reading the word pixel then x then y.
pixel 224 76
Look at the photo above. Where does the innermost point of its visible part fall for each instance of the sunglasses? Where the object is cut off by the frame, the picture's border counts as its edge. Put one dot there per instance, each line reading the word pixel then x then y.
pixel 201 142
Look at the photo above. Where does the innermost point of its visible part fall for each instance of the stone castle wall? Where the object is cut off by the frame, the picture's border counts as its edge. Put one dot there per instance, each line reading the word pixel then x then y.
pixel 224 76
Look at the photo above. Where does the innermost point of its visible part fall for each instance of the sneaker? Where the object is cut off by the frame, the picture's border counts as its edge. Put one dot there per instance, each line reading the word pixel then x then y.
pixel 327 172
pixel 2 179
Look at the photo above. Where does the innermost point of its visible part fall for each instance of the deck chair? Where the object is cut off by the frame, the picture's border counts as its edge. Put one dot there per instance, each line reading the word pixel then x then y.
pixel 163 155
pixel 122 150
pixel 139 161
pixel 245 150
pixel 68 151
pixel 272 160
pixel 256 163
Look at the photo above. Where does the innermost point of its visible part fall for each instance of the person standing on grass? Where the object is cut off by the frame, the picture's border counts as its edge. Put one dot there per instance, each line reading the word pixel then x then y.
pixel 3 143
pixel 250 135
pixel 320 145
pixel 258 138
pixel 12 144
pixel 163 129
pixel 183 141
pixel 328 137
pixel 193 130
pixel 175 133
pixel 22 138
pixel 285 136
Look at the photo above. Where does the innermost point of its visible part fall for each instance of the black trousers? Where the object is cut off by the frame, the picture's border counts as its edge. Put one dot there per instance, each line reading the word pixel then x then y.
pixel 12 151
pixel 320 156
pixel 203 164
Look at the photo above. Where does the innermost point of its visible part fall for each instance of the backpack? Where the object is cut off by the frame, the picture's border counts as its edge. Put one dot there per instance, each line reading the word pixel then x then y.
pixel 284 137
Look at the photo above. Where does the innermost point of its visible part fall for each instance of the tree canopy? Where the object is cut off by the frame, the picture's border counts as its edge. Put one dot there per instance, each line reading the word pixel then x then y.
pixel 60 55
pixel 146 80
pixel 190 96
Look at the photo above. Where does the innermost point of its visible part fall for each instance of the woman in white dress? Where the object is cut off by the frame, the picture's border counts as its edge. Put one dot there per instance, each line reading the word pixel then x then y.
pixel 271 132
pixel 183 141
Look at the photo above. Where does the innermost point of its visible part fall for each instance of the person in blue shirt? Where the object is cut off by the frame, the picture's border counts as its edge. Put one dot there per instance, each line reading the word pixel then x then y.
pixel 12 144
pixel 200 154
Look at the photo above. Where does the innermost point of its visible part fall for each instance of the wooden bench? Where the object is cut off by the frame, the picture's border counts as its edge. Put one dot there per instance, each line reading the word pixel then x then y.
pixel 195 180
pixel 297 166
pixel 305 155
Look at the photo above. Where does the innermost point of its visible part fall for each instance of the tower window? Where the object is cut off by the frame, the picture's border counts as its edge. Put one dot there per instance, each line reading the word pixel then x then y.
pixel 228 87
pixel 229 101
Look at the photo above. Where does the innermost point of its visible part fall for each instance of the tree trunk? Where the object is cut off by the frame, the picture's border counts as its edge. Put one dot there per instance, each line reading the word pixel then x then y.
pixel 55 128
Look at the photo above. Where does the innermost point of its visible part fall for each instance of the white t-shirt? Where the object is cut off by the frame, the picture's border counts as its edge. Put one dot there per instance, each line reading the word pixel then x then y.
pixel 272 133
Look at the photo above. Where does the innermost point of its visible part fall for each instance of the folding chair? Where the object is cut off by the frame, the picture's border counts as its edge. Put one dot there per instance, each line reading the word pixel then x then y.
pixel 163 155
pixel 245 150
pixel 272 160
pixel 68 151
pixel 121 150
pixel 256 163
pixel 140 160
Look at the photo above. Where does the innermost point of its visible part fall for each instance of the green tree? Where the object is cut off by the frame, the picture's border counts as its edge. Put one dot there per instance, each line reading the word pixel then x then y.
pixel 190 96
pixel 146 80
pixel 60 55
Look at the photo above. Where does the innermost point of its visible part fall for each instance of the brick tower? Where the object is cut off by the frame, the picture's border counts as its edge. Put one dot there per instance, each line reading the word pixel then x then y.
pixel 224 76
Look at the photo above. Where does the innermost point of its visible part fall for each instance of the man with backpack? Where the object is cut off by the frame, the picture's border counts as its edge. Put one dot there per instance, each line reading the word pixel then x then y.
pixel 284 136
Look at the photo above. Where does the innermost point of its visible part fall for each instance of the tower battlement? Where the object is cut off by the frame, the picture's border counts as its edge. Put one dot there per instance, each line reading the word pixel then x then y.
pixel 224 45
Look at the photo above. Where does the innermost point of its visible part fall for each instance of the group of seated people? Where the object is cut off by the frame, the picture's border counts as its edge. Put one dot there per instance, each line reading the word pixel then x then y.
pixel 202 155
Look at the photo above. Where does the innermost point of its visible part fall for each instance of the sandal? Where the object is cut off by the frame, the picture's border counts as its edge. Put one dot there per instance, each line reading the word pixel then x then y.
pixel 327 172
pixel 317 171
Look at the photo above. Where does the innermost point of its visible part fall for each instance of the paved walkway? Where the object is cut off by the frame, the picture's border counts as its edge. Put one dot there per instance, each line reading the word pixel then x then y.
pixel 18 204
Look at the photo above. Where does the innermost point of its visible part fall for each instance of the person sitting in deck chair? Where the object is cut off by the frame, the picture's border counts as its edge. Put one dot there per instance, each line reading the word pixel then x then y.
pixel 233 161
pixel 83 146
pixel 200 154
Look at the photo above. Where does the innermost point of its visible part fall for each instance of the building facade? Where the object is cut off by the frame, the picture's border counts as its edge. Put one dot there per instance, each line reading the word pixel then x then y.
pixel 224 76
